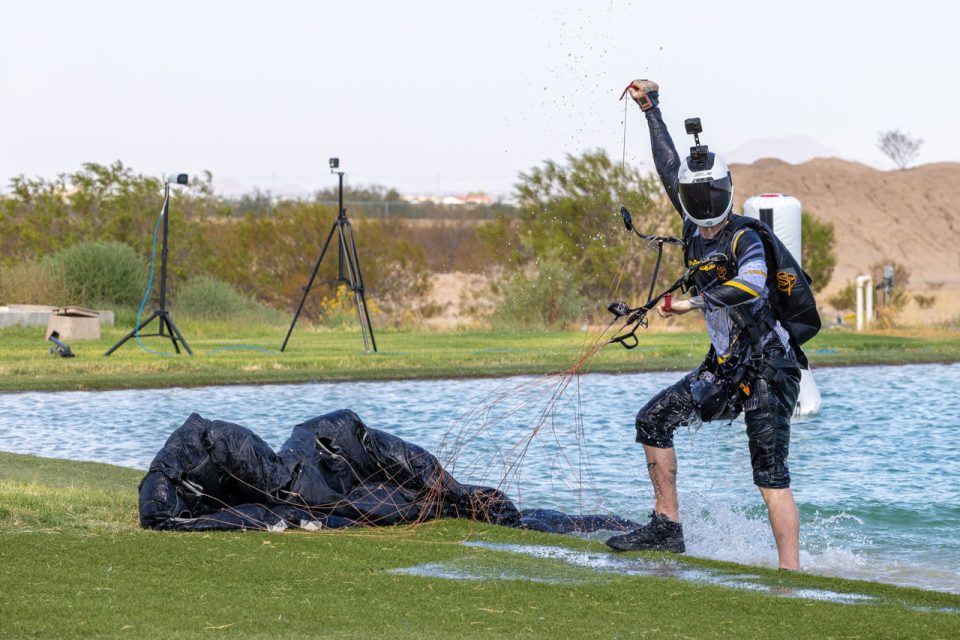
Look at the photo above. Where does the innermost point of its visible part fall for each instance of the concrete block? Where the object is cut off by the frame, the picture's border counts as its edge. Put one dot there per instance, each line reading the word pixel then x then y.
pixel 74 323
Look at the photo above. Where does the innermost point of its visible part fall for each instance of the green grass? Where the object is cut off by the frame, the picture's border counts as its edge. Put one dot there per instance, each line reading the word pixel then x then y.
pixel 319 354
pixel 73 563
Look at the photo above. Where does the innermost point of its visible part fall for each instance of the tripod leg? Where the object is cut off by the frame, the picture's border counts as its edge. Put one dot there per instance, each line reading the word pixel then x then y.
pixel 355 285
pixel 165 319
pixel 173 328
pixel 133 333
pixel 360 291
pixel 306 289
pixel 174 331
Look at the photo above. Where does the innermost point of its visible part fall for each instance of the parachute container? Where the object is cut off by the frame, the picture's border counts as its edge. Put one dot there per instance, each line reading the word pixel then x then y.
pixel 782 213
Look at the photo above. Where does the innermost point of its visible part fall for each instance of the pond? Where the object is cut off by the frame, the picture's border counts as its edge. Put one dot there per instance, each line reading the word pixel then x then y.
pixel 876 474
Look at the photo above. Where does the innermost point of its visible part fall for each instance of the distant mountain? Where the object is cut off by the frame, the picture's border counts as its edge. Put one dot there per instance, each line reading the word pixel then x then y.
pixel 792 149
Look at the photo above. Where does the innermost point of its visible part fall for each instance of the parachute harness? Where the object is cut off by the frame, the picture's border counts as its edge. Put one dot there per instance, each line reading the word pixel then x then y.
pixel 637 317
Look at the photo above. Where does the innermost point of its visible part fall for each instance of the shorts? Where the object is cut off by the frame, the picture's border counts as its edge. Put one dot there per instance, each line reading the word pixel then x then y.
pixel 767 413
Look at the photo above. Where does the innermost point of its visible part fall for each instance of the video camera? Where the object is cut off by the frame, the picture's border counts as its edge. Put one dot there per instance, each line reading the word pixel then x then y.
pixel 699 152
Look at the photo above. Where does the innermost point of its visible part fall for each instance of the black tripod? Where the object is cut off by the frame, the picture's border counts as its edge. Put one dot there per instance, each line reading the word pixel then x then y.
pixel 349 269
pixel 162 313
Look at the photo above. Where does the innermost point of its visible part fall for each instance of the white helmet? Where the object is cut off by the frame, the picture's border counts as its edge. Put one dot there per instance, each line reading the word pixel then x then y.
pixel 705 188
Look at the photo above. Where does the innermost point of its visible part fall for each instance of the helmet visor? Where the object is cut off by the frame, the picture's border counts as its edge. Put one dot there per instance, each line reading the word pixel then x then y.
pixel 708 199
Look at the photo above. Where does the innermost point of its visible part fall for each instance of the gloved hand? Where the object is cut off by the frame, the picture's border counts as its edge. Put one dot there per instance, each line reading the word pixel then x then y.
pixel 644 92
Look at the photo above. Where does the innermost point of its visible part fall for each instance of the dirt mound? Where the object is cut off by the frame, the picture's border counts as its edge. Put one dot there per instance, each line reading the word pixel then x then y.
pixel 911 217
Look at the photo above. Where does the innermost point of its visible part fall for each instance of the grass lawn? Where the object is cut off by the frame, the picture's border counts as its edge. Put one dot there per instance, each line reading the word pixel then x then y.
pixel 73 563
pixel 320 354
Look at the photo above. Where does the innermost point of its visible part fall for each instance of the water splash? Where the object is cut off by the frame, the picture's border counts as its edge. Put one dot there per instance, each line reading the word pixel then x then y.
pixel 601 565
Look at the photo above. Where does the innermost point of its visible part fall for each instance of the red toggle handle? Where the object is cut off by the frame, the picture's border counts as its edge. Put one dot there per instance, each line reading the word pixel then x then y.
pixel 668 302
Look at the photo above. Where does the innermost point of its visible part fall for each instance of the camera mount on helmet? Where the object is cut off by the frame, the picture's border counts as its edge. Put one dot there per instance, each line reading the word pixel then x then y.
pixel 704 184
pixel 699 153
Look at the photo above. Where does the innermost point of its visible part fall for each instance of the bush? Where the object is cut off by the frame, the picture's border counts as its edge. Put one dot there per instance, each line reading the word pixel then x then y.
pixel 99 274
pixel 208 297
pixel 819 255
pixel 32 282
pixel 548 298
pixel 845 299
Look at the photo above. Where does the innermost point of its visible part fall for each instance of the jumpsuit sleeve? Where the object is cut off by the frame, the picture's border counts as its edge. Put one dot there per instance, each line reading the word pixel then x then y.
pixel 665 155
pixel 751 276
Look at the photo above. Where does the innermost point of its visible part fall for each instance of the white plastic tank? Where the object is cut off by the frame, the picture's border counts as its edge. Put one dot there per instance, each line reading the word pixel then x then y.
pixel 782 213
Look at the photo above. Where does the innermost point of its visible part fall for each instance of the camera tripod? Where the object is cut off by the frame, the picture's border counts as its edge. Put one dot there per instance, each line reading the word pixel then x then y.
pixel 162 313
pixel 349 269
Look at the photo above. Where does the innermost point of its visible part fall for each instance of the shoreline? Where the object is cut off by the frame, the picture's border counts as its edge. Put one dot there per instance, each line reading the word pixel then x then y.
pixel 338 356
pixel 428 376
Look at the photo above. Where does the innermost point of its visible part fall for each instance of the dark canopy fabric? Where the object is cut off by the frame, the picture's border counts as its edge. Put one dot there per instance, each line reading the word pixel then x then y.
pixel 333 471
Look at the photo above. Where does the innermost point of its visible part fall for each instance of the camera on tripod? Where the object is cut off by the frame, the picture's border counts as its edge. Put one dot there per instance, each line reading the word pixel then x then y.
pixel 349 267
pixel 167 327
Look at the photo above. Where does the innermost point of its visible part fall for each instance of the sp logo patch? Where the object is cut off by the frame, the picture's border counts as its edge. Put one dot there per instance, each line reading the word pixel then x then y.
pixel 786 281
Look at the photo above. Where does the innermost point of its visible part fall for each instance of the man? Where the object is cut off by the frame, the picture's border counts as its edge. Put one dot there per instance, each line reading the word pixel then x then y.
pixel 752 364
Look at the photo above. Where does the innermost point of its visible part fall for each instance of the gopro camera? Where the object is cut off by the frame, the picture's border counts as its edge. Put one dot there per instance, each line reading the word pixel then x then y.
pixel 177 178
pixel 334 163
pixel 699 153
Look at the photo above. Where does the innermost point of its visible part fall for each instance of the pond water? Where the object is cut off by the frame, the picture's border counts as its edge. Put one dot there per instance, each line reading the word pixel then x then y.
pixel 876 474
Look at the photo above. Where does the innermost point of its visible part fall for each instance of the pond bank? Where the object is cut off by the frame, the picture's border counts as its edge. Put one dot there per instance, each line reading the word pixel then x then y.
pixel 250 356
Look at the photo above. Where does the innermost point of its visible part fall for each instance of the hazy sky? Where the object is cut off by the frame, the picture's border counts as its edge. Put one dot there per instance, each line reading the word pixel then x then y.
pixel 452 96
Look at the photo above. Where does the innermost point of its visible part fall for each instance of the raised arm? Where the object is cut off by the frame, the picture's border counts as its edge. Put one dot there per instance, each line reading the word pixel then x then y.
pixel 646 94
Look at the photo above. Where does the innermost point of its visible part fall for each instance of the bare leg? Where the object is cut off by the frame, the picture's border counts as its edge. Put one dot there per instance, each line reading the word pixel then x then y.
pixel 785 522
pixel 662 467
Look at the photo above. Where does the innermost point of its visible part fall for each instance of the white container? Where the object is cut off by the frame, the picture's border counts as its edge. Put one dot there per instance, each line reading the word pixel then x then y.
pixel 783 214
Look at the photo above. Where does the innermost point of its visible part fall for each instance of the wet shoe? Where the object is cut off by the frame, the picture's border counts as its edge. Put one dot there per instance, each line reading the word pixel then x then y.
pixel 660 534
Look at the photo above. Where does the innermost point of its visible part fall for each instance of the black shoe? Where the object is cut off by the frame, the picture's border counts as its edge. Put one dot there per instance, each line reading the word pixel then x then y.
pixel 660 534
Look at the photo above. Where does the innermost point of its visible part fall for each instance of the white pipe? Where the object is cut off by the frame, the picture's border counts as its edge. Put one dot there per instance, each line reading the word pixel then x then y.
pixel 864 282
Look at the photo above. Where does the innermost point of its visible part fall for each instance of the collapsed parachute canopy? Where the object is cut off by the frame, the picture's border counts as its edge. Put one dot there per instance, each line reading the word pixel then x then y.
pixel 333 471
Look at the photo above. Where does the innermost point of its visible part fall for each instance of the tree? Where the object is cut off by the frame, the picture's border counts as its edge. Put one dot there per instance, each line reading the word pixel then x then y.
pixel 819 257
pixel 899 147
pixel 569 229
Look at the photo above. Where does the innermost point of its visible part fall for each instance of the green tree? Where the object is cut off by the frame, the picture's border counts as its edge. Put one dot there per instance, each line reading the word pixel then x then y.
pixel 568 224
pixel 819 257
pixel 265 257
pixel 98 202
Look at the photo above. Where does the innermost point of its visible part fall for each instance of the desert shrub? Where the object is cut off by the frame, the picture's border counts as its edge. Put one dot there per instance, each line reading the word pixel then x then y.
pixel 924 302
pixel 845 299
pixel 338 308
pixel 209 297
pixel 395 273
pixel 32 282
pixel 99 274
pixel 547 296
